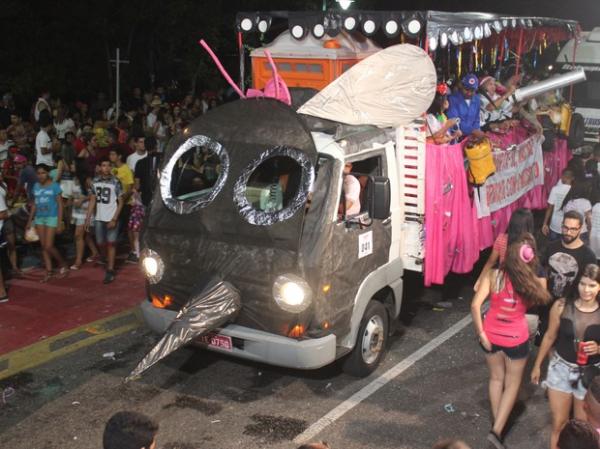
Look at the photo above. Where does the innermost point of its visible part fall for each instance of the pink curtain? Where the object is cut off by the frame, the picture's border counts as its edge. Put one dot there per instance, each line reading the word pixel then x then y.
pixel 449 226
pixel 454 235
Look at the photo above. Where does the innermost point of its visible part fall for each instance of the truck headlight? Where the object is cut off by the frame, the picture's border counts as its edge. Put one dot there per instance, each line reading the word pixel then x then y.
pixel 153 266
pixel 292 293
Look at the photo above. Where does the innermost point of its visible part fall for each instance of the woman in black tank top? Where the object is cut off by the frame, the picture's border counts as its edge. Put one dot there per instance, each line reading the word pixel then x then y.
pixel 574 333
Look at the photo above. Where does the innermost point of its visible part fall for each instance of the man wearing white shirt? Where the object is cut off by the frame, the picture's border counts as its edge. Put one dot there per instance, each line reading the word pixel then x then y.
pixel 554 213
pixel 43 147
pixel 140 152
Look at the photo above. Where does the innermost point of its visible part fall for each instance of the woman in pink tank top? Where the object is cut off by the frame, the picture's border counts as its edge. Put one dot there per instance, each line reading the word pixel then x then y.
pixel 503 333
pixel 521 221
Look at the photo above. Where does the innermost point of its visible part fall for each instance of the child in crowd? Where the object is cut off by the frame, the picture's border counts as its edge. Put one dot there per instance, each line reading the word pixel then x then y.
pixel 47 211
pixel 66 175
pixel 554 213
pixel 438 126
pixel 106 202
pixel 81 191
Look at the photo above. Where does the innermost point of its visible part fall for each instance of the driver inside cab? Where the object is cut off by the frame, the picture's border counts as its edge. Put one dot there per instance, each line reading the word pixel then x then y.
pixel 351 189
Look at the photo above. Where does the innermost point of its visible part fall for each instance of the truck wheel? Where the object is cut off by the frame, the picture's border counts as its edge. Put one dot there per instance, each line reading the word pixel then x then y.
pixel 371 341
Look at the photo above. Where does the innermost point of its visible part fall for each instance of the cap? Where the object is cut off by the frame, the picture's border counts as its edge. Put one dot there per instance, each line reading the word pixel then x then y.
pixel 470 81
pixel 20 159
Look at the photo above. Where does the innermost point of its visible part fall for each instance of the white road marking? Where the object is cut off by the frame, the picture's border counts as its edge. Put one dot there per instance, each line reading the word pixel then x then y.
pixel 339 411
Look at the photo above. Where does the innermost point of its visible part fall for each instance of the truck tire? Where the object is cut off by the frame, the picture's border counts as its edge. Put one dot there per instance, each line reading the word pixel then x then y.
pixel 576 132
pixel 371 341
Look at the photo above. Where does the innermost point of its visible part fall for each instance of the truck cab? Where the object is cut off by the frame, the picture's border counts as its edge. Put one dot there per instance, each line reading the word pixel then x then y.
pixel 260 205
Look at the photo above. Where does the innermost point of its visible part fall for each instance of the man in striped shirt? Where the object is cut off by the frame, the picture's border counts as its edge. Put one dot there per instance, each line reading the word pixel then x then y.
pixel 106 202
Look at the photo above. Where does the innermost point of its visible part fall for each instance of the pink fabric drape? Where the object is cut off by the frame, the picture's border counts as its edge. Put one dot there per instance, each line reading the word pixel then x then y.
pixel 449 226
pixel 454 235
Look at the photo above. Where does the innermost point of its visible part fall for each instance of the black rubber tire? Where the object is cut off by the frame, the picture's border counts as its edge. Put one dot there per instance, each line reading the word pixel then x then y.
pixel 576 132
pixel 354 364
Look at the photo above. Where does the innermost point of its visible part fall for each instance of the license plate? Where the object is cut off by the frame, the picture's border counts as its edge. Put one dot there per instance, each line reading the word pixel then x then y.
pixel 217 341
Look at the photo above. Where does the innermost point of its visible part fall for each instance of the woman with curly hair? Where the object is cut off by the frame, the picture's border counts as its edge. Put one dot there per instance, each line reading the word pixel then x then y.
pixel 504 333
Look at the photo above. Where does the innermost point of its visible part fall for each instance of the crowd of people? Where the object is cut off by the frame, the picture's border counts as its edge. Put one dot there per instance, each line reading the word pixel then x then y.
pixel 561 285
pixel 80 172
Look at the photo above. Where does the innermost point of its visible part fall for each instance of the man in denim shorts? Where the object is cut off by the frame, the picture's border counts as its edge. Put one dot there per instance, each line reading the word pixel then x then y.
pixel 106 202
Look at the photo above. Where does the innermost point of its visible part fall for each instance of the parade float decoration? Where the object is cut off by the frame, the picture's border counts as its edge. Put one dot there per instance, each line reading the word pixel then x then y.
pixel 249 209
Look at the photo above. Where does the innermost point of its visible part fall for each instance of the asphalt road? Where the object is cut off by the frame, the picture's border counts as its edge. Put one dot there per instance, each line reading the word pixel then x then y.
pixel 205 400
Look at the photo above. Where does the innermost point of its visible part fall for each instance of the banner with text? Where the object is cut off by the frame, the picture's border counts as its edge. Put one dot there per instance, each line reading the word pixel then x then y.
pixel 517 172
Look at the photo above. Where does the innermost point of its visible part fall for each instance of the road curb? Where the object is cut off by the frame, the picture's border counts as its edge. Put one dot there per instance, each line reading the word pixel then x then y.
pixel 69 341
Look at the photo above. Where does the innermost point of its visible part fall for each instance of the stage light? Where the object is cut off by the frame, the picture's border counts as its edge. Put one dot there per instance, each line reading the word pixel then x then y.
pixel 370 24
pixel 298 31
pixel 318 30
pixel 391 25
pixel 497 26
pixel 246 22
pixel 264 23
pixel 478 33
pixel 299 23
pixel 391 28
pixel 350 23
pixel 412 26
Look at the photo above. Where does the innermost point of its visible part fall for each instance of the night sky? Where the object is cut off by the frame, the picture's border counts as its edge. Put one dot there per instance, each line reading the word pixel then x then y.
pixel 65 45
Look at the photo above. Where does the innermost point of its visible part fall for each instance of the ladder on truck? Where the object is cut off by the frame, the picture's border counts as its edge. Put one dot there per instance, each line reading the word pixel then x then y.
pixel 410 159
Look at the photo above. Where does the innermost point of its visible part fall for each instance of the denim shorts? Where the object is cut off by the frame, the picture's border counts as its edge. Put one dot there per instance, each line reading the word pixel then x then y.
pixel 105 235
pixel 565 377
pixel 51 222
pixel 514 353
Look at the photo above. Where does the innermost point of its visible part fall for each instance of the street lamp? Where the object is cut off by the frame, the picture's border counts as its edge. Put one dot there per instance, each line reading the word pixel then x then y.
pixel 344 4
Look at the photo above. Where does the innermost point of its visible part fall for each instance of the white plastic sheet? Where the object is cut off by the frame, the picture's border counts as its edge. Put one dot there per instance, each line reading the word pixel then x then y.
pixel 388 89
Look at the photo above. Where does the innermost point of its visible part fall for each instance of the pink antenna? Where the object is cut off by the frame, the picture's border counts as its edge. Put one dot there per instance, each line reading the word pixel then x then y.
pixel 221 68
pixel 275 74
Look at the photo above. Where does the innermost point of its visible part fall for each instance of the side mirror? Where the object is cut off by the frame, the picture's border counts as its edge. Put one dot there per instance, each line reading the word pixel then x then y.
pixel 379 197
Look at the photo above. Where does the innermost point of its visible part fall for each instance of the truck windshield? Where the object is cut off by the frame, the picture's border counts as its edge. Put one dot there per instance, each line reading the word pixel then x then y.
pixel 587 95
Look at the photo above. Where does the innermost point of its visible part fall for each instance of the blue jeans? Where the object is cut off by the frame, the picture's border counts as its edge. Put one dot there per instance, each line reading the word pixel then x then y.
pixel 105 235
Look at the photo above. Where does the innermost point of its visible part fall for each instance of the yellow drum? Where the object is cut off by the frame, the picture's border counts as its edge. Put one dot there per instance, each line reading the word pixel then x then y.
pixel 566 113
pixel 481 160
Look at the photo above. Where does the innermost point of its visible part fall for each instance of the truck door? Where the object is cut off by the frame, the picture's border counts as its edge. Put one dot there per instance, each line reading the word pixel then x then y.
pixel 361 243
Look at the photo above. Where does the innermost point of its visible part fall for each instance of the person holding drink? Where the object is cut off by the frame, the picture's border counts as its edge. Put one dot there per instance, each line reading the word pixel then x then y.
pixel 574 333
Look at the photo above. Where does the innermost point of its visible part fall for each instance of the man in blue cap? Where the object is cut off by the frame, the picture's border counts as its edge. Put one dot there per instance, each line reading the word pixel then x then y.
pixel 465 104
